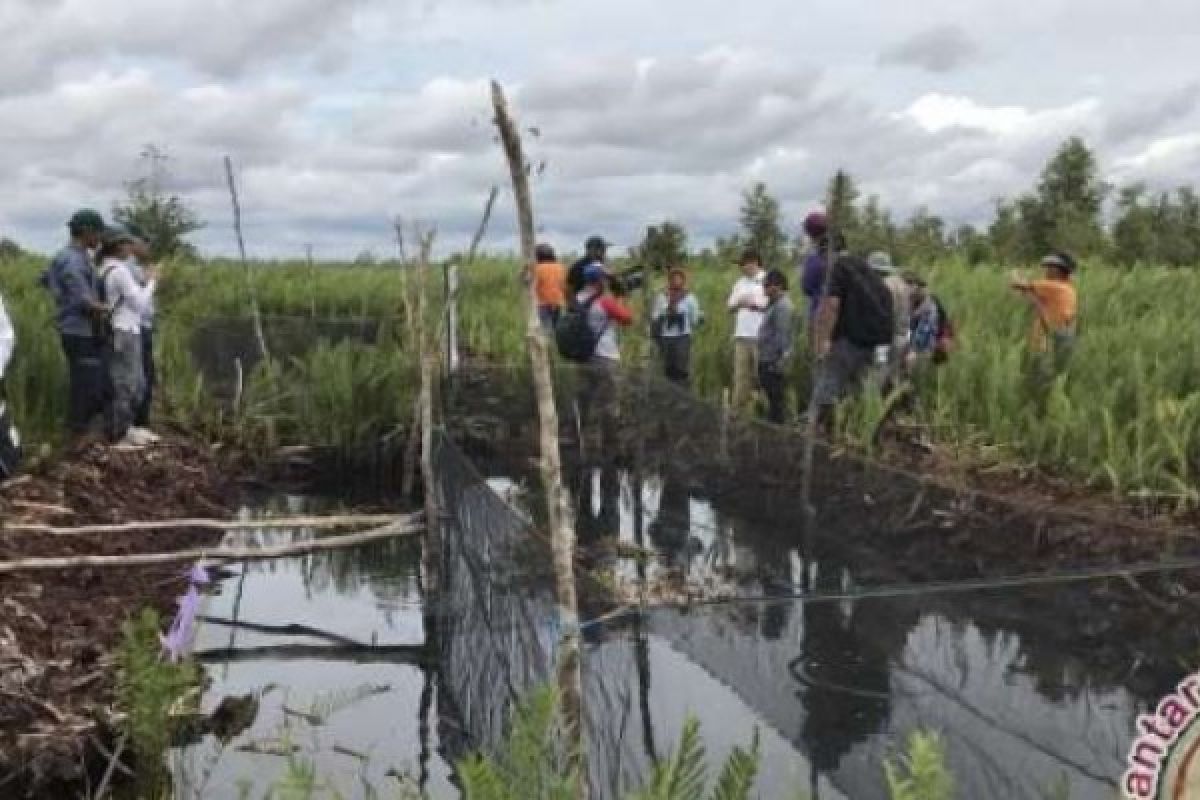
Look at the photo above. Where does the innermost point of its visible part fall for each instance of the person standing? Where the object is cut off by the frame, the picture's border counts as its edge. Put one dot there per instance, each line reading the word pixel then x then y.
pixel 775 341
pixel 675 316
pixel 1055 306
pixel 891 357
pixel 812 269
pixel 595 252
pixel 605 314
pixel 71 281
pixel 853 319
pixel 747 302
pixel 10 441
pixel 138 263
pixel 550 286
pixel 127 302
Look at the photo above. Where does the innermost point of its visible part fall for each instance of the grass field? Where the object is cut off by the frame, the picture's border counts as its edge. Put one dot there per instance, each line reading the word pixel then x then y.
pixel 1126 417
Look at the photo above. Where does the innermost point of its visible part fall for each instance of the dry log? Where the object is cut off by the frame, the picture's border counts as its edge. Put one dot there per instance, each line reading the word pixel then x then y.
pixel 342 521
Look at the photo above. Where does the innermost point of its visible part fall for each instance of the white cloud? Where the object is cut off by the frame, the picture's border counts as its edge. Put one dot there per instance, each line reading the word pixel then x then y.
pixel 343 113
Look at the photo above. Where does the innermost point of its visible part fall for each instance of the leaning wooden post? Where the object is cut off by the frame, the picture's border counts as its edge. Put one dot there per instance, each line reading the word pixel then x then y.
pixel 432 550
pixel 241 242
pixel 558 510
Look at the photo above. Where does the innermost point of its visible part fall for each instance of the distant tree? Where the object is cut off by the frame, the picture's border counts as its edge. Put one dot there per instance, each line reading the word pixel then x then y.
pixel 1004 234
pixel 1064 210
pixel 10 250
pixel 843 207
pixel 922 240
pixel 1135 237
pixel 972 245
pixel 761 228
pixel 165 218
pixel 663 247
pixel 876 230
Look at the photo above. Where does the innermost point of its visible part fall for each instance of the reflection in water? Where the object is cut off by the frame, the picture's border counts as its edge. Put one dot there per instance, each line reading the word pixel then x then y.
pixel 1029 687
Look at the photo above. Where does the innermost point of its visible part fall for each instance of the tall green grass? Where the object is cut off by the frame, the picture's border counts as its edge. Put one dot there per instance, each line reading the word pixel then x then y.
pixel 1126 417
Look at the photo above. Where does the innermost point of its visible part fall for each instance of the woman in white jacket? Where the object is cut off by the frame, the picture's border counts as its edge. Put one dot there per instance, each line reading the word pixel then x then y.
pixel 129 301
pixel 8 340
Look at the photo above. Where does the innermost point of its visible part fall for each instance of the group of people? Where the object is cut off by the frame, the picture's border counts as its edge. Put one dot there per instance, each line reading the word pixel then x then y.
pixel 103 290
pixel 868 322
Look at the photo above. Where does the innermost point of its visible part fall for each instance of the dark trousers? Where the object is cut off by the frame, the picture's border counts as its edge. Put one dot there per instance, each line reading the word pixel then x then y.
pixel 771 381
pixel 141 416
pixel 86 373
pixel 677 358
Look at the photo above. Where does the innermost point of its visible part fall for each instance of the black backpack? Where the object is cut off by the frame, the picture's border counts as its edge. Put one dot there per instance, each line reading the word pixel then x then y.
pixel 868 312
pixel 574 335
pixel 102 327
pixel 10 441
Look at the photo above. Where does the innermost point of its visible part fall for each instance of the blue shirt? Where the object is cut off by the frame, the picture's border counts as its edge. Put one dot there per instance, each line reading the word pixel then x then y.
pixel 72 282
pixel 684 322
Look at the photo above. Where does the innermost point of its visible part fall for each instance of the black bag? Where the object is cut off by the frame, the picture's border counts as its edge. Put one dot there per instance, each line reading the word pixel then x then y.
pixel 102 327
pixel 574 335
pixel 868 311
pixel 10 441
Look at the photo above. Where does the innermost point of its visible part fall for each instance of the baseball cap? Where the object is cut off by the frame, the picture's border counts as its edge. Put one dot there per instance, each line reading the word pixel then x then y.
pixel 115 234
pixel 1061 260
pixel 816 224
pixel 596 243
pixel 86 219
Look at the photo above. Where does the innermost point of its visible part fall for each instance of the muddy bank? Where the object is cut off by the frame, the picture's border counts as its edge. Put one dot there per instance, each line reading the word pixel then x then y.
pixel 58 629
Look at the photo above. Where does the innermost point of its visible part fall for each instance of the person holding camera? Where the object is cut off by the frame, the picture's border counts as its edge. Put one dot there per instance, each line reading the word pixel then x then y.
pixel 675 316
pixel 604 314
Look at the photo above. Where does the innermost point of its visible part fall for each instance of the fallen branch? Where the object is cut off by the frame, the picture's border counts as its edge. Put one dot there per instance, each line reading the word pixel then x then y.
pixel 292 629
pixel 276 523
pixel 218 554
pixel 413 655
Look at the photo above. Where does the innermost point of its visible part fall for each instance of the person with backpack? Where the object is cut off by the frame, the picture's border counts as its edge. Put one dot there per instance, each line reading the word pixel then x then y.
pixel 747 302
pixel 675 317
pixel 127 302
pixel 853 319
pixel 812 268
pixel 931 331
pixel 1055 306
pixel 71 280
pixel 891 357
pixel 775 345
pixel 592 322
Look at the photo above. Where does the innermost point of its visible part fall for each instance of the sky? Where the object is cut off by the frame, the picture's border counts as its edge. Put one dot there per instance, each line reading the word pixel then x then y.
pixel 343 115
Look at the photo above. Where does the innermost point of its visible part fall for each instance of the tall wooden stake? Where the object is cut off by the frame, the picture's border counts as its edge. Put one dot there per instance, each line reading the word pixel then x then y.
pixel 558 510
pixel 237 227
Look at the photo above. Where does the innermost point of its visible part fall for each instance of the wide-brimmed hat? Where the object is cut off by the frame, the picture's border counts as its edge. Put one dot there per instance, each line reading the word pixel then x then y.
pixel 115 234
pixel 1063 261
pixel 881 262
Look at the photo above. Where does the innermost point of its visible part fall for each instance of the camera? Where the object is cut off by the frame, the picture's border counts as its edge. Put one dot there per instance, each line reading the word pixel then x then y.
pixel 627 281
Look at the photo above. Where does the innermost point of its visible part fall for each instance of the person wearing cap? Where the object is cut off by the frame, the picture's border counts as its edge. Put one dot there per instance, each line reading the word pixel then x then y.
pixel 892 357
pixel 775 337
pixel 550 286
pixel 71 280
pixel 128 302
pixel 747 302
pixel 675 317
pixel 138 262
pixel 1055 305
pixel 595 251
pixel 605 314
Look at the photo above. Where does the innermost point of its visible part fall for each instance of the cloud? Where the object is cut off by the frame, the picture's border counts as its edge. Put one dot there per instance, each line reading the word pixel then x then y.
pixel 941 49
pixel 1147 115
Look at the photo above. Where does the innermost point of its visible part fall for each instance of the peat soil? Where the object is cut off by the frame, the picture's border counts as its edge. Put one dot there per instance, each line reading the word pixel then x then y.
pixel 59 627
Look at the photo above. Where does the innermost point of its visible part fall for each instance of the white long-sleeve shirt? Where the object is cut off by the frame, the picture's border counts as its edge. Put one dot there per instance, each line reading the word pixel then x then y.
pixel 129 301
pixel 8 338
pixel 748 290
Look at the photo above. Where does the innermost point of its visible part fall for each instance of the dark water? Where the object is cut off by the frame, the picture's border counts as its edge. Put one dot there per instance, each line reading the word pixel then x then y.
pixel 1032 688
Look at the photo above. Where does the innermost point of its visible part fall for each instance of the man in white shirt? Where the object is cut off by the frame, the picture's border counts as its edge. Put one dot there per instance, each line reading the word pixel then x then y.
pixel 747 302
pixel 129 301
pixel 8 339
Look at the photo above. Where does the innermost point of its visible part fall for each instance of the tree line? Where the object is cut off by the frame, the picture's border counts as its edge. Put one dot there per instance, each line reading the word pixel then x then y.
pixel 1069 208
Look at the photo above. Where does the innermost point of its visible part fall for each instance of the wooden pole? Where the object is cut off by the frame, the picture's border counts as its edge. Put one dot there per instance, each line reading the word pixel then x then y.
pixel 216 554
pixel 558 509
pixel 483 225
pixel 241 241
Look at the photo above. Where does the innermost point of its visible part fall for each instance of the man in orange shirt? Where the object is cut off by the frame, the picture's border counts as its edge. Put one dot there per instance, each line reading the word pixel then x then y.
pixel 1055 306
pixel 550 285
